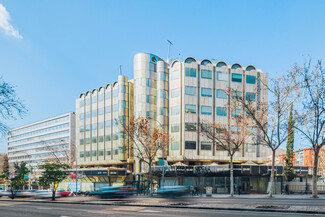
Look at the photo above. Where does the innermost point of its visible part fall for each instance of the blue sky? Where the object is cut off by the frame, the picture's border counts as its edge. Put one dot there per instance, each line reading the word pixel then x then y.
pixel 54 50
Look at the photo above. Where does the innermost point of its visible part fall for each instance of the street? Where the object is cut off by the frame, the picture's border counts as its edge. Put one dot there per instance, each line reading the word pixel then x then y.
pixel 34 209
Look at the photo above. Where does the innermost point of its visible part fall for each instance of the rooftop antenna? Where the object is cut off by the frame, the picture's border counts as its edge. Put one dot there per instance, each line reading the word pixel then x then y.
pixel 170 44
pixel 120 69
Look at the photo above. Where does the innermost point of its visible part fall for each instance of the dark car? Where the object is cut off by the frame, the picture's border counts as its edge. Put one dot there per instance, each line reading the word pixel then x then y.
pixel 113 192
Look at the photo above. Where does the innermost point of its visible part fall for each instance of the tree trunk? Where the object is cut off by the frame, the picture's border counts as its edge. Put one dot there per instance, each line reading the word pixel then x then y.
pixel 53 194
pixel 150 179
pixel 315 168
pixel 231 176
pixel 12 193
pixel 272 174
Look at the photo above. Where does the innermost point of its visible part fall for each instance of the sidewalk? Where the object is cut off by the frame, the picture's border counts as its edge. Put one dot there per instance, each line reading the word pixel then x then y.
pixel 217 202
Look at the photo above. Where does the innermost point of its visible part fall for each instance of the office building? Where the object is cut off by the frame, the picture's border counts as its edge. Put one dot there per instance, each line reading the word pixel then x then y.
pixel 101 140
pixel 42 141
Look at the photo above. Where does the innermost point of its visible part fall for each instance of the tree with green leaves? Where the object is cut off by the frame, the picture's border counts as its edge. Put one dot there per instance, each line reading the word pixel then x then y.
pixel 18 180
pixel 289 173
pixel 53 173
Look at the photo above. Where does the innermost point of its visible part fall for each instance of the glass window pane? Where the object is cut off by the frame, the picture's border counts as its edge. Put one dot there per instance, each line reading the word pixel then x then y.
pixel 250 79
pixel 189 90
pixel 250 96
pixel 174 128
pixel 94 99
pixel 175 110
pixel 191 145
pixel 175 93
pixel 206 110
pixel 81 104
pixel 236 77
pixel 191 127
pixel 108 95
pixel 222 76
pixel 206 74
pixel 190 72
pixel 221 111
pixel 206 92
pixel 100 97
pixel 175 146
pixel 190 109
pixel 221 94
pixel 206 146
pixel 175 75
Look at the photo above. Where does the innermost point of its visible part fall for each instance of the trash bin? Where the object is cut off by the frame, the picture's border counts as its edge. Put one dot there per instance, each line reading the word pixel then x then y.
pixel 209 191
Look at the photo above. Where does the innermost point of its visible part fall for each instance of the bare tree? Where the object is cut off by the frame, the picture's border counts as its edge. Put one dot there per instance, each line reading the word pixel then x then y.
pixel 147 141
pixel 10 105
pixel 230 137
pixel 312 112
pixel 270 117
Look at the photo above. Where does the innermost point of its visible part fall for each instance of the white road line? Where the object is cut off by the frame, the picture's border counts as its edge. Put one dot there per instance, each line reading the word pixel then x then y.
pixel 148 210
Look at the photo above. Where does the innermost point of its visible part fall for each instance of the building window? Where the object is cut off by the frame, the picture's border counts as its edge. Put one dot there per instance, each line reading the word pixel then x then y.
pixel 236 77
pixel 250 148
pixel 81 116
pixel 115 107
pixel 108 95
pixel 221 94
pixel 94 153
pixel 100 125
pixel 107 138
pixel 175 146
pixel 206 146
pixel 88 101
pixel 148 82
pixel 122 104
pixel 175 93
pixel 175 75
pixel 162 94
pixel 81 129
pixel 206 110
pixel 206 74
pixel 101 97
pixel 190 108
pixel 94 99
pixel 189 90
pixel 94 140
pixel 88 127
pixel 250 79
pixel 122 89
pixel 87 140
pixel 221 111
pixel 81 141
pixel 87 153
pixel 222 76
pixel 108 152
pixel 148 99
pixel 100 111
pixel 115 136
pixel 116 151
pixel 115 93
pixel 101 153
pixel 174 128
pixel 250 96
pixel 236 112
pixel 94 126
pixel 94 113
pixel 148 114
pixel 191 127
pixel 108 123
pixel 236 94
pixel 162 76
pixel 87 114
pixel 81 154
pixel 206 92
pixel 175 110
pixel 81 104
pixel 190 145
pixel 190 72
pixel 100 138
pixel 108 109
pixel 161 111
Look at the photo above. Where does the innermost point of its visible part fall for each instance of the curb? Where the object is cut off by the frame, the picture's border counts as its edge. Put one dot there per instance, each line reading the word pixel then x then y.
pixel 178 207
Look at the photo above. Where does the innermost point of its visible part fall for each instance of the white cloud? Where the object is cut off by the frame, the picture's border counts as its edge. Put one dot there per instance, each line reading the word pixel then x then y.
pixel 5 25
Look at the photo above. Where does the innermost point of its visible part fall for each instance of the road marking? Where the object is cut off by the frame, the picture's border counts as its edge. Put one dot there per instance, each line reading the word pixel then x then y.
pixel 128 208
pixel 43 208
pixel 148 210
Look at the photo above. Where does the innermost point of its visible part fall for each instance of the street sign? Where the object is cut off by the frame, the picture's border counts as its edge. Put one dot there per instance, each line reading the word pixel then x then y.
pixel 26 176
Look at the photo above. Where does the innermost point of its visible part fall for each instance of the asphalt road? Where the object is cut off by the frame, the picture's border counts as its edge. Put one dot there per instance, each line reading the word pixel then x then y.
pixel 21 209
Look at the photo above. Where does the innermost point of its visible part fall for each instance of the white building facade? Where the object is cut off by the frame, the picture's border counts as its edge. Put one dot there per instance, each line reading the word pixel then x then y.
pixel 38 142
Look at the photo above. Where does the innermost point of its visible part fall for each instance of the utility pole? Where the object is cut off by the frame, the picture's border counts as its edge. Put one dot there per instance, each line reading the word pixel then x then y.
pixel 170 44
